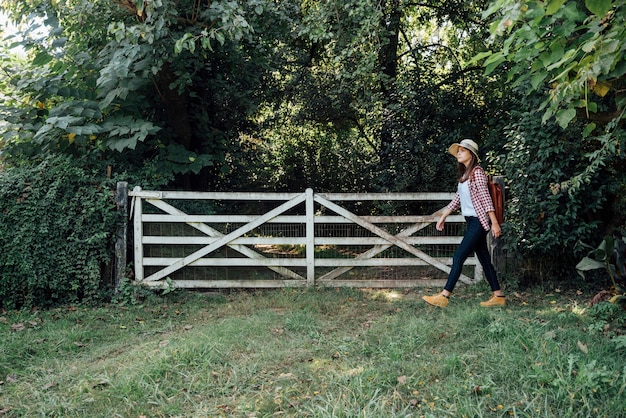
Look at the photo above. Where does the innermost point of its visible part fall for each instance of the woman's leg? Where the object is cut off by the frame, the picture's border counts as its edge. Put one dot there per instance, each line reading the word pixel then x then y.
pixel 482 253
pixel 474 234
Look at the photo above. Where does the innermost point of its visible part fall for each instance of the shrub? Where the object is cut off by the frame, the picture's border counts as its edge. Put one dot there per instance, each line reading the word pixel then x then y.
pixel 57 224
pixel 547 216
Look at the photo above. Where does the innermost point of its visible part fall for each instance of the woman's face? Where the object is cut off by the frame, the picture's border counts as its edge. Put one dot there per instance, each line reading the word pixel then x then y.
pixel 463 156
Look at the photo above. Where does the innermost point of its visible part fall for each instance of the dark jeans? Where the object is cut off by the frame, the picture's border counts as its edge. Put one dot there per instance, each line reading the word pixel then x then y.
pixel 475 240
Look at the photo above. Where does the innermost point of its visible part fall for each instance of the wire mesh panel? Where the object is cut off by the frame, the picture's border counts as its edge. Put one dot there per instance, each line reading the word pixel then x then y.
pixel 216 240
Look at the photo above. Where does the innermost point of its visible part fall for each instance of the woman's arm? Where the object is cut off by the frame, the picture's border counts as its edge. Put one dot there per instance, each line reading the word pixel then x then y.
pixel 442 219
pixel 496 230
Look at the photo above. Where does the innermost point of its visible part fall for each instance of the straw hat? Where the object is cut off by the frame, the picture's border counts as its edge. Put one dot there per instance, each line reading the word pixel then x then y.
pixel 467 144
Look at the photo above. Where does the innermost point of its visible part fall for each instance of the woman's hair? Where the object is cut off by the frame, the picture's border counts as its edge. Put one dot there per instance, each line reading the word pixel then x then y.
pixel 465 172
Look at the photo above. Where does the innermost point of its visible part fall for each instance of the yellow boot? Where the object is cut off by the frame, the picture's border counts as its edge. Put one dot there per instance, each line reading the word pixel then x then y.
pixel 495 301
pixel 437 300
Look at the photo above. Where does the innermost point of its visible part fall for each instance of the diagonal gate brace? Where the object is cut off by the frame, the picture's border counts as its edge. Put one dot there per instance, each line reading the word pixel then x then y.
pixel 226 239
pixel 242 249
pixel 397 240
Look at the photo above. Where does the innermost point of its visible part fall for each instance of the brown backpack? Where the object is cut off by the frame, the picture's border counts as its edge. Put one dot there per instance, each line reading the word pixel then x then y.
pixel 497 196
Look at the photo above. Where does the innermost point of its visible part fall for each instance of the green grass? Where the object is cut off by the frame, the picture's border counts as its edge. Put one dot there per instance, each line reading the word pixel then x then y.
pixel 315 353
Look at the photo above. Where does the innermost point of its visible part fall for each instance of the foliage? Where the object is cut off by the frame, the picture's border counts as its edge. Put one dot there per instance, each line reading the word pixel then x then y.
pixel 57 223
pixel 312 353
pixel 135 82
pixel 54 92
pixel 571 54
pixel 609 255
pixel 546 220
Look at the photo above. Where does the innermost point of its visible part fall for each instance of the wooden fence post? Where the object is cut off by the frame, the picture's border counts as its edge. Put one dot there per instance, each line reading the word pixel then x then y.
pixel 121 201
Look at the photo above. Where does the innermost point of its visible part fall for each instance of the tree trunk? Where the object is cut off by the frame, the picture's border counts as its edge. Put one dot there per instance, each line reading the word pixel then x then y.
pixel 389 67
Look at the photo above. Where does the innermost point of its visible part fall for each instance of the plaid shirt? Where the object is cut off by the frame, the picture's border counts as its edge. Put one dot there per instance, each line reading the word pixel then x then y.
pixel 481 199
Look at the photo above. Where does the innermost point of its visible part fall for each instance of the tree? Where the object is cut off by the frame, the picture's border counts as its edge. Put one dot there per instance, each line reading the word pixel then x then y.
pixel 151 83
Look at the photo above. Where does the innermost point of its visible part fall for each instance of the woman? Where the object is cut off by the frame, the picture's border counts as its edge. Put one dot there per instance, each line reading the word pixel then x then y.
pixel 473 198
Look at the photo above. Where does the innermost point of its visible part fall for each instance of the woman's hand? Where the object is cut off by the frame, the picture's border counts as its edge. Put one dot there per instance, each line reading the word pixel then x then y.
pixel 442 219
pixel 496 231
pixel 440 223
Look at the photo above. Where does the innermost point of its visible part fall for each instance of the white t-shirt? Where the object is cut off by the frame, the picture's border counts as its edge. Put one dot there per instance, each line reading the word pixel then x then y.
pixel 467 208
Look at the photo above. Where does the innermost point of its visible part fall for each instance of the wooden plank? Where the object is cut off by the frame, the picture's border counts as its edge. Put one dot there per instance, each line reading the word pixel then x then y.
pixel 310 238
pixel 228 284
pixel 425 196
pixel 233 262
pixel 178 195
pixel 332 241
pixel 295 219
pixel 300 262
pixel 137 237
pixel 274 284
pixel 263 196
pixel 383 283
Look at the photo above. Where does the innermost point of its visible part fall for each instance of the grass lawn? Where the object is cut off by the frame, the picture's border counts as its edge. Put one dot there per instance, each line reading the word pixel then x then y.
pixel 317 353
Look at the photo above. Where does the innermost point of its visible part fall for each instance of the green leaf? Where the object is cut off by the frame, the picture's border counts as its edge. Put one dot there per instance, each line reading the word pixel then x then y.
pixel 598 7
pixel 553 6
pixel 42 58
pixel 588 129
pixel 537 79
pixel 605 249
pixel 565 116
pixel 589 264
pixel 480 56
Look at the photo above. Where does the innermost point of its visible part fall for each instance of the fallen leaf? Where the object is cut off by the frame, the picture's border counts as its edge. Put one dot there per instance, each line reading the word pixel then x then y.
pixel 278 331
pixel 164 343
pixel 48 385
pixel 5 410
pixel 583 347
pixel 101 383
pixel 18 327
pixel 402 380
pixel 4 320
pixel 11 378
pixel 187 327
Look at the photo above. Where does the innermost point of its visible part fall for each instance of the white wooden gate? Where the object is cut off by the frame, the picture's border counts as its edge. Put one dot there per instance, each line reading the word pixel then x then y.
pixel 310 211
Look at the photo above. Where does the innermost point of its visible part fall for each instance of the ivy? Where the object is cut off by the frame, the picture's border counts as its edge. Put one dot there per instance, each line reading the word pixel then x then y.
pixel 57 222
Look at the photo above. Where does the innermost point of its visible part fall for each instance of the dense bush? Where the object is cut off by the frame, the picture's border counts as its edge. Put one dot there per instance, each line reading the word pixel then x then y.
pixel 57 223
pixel 549 216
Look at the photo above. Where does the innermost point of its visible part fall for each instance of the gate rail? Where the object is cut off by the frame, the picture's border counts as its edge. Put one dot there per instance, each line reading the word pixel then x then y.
pixel 318 209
